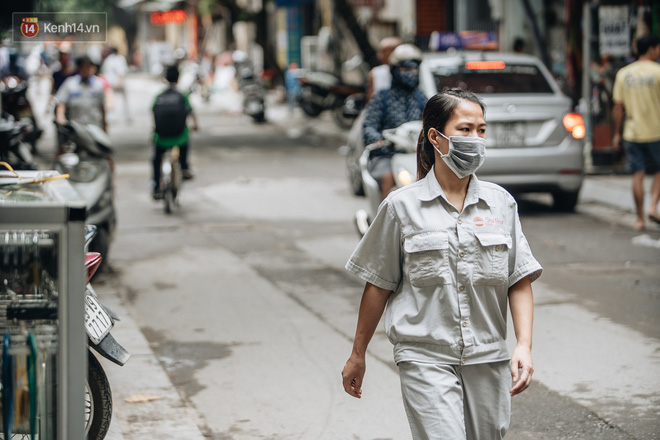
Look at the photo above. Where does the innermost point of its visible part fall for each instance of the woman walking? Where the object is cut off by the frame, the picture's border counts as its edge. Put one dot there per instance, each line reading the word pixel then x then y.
pixel 443 257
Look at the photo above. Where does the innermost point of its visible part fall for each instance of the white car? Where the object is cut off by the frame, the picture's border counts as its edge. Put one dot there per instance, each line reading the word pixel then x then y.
pixel 533 140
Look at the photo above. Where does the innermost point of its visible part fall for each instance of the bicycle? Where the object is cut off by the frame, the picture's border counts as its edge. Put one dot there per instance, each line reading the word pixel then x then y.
pixel 170 180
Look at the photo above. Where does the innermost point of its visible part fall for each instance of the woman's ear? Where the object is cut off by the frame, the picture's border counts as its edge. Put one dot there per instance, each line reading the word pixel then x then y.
pixel 434 137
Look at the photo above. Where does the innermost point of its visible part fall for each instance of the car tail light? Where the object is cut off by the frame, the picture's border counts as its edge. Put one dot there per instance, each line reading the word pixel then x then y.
pixel 485 65
pixel 574 123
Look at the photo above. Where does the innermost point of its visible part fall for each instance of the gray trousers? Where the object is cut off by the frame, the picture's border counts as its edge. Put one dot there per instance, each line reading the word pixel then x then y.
pixel 454 402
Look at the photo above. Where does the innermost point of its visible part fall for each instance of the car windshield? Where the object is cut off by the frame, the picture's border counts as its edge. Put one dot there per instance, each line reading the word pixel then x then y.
pixel 492 78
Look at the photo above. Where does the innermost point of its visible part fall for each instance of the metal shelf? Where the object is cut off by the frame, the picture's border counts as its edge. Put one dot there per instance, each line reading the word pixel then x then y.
pixel 42 294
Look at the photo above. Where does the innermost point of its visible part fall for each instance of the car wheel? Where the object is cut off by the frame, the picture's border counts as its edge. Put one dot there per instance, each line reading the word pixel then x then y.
pixel 565 201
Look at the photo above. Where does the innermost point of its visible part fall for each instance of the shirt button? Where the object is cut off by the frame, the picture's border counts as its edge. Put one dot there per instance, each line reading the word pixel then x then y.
pixel 460 222
pixel 461 287
pixel 465 324
pixel 461 254
pixel 498 248
pixel 463 361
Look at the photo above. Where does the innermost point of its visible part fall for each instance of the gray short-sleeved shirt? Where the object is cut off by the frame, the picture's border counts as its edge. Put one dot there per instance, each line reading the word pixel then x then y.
pixel 449 272
pixel 84 101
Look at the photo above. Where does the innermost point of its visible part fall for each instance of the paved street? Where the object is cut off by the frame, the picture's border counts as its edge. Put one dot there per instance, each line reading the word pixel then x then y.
pixel 239 314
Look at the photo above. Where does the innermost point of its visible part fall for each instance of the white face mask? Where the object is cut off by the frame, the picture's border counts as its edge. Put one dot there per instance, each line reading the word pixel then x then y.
pixel 465 155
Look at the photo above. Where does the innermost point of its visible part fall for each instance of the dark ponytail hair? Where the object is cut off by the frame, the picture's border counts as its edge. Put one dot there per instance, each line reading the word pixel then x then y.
pixel 437 112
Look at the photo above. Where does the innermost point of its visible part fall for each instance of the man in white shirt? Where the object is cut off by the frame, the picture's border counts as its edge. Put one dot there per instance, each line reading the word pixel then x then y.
pixel 81 97
pixel 380 77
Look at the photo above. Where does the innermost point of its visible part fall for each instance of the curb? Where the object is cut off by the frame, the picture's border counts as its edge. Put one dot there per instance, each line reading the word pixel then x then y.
pixel 161 412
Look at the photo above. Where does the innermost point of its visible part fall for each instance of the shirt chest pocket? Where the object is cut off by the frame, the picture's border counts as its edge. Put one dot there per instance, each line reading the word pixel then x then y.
pixel 427 258
pixel 492 258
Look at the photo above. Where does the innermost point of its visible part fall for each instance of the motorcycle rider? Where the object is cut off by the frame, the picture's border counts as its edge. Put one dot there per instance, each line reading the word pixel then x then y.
pixel 390 108
pixel 171 109
pixel 14 97
pixel 81 97
pixel 14 67
pixel 63 70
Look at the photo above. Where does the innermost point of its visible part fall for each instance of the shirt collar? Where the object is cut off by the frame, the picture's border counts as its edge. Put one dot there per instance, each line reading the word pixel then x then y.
pixel 431 190
pixel 91 80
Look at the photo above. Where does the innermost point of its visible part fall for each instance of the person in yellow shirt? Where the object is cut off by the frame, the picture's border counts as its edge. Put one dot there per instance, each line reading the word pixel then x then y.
pixel 636 95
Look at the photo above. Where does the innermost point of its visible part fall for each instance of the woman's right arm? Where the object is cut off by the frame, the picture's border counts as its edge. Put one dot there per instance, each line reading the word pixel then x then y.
pixel 372 306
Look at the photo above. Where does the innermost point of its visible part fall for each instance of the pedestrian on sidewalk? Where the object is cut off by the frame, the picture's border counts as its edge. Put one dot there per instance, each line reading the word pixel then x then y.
pixel 292 85
pixel 114 69
pixel 171 111
pixel 636 96
pixel 444 256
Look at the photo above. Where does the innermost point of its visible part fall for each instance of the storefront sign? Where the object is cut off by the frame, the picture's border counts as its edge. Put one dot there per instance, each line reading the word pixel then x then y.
pixel 614 31
pixel 161 18
pixel 475 40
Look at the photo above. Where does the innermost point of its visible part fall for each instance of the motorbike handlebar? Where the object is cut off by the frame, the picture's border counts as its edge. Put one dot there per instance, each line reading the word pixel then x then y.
pixel 382 143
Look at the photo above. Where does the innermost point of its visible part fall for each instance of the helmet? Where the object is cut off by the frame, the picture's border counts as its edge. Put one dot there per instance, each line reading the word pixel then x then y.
pixel 238 56
pixel 405 52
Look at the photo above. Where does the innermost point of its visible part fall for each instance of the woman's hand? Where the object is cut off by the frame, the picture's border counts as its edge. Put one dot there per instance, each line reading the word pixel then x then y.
pixel 371 309
pixel 352 375
pixel 521 300
pixel 521 360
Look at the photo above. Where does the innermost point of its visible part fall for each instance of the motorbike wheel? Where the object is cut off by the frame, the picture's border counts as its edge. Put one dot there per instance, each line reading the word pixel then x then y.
pixel 354 172
pixel 98 401
pixel 259 118
pixel 341 120
pixel 307 106
pixel 169 200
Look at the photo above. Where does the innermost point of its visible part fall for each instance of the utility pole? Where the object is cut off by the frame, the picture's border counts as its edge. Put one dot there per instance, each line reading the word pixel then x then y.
pixel 586 83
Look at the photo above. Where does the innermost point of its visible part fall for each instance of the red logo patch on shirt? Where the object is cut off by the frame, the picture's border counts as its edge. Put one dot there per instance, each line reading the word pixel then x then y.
pixel 478 221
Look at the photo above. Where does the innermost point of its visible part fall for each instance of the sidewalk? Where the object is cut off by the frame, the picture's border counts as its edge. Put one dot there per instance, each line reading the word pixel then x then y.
pixel 159 411
pixel 610 198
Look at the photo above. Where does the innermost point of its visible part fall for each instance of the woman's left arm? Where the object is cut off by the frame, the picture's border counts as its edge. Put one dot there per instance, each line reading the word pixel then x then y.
pixel 521 302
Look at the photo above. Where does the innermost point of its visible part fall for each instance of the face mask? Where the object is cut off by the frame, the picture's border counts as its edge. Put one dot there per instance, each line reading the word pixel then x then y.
pixel 465 155
pixel 407 79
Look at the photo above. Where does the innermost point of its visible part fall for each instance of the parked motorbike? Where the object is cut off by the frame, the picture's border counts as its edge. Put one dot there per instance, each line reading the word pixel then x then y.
pixel 254 93
pixel 86 155
pixel 402 145
pixel 352 106
pixel 99 321
pixel 16 104
pixel 14 146
pixel 321 91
